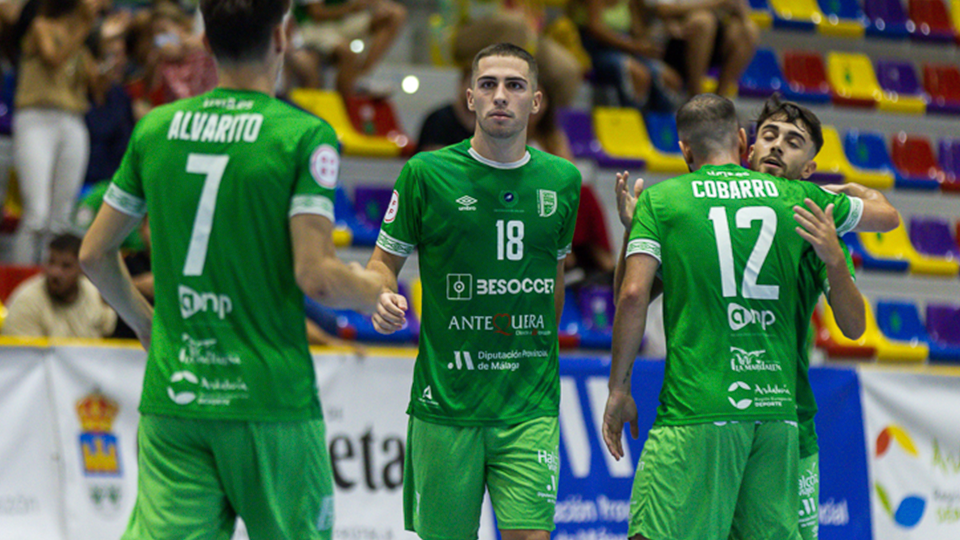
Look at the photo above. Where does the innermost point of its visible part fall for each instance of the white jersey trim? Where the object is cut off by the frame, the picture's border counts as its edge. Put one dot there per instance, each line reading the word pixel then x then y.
pixel 853 218
pixel 125 202
pixel 311 204
pixel 644 245
pixel 500 165
pixel 393 246
pixel 565 251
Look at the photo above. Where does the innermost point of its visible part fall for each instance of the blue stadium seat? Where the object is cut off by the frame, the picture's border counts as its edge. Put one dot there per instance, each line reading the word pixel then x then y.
pixel 363 233
pixel 662 128
pixel 763 76
pixel 360 327
pixel 596 309
pixel 901 321
pixel 570 321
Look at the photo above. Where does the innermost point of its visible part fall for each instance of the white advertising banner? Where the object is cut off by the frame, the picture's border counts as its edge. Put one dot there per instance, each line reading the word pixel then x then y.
pixel 29 461
pixel 912 428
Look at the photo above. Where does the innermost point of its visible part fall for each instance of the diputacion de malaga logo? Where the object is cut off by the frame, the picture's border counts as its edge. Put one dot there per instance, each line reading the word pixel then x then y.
pixel 909 511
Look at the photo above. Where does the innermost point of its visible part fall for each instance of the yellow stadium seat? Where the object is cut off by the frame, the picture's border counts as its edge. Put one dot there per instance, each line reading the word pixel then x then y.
pixel 342 237
pixel 622 133
pixel 330 106
pixel 3 314
pixel 416 297
pixel 896 245
pixel 831 159
pixel 955 16
pixel 852 78
pixel 797 10
pixel 887 349
pixel 763 19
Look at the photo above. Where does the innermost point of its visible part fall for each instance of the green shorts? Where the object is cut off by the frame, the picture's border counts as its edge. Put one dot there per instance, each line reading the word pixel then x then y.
pixel 717 481
pixel 810 497
pixel 448 467
pixel 196 476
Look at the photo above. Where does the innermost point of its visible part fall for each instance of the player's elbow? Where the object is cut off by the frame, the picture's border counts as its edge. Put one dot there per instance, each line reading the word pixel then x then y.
pixel 91 258
pixel 632 295
pixel 315 284
pixel 853 325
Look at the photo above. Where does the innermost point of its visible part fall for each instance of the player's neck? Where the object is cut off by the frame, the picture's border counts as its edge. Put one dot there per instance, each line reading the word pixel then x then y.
pixel 508 150
pixel 718 159
pixel 255 77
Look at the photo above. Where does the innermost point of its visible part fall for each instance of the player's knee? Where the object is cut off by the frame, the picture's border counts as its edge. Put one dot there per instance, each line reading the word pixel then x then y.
pixel 524 534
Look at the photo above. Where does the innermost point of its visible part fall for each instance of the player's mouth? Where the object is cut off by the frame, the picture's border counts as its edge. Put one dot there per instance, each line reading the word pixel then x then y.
pixel 500 115
pixel 773 162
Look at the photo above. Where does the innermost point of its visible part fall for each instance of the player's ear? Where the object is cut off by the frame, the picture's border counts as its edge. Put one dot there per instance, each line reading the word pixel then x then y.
pixel 280 37
pixel 537 102
pixel 470 99
pixel 808 169
pixel 687 154
pixel 742 138
pixel 750 153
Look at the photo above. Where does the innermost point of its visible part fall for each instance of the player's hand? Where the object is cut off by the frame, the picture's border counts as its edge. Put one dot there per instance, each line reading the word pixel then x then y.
pixel 390 314
pixel 620 409
pixel 627 201
pixel 817 228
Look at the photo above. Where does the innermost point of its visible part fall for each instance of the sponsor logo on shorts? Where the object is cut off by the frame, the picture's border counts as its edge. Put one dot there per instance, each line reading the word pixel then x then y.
pixel 193 302
pixel 740 317
pixel 466 203
pixel 743 396
pixel 741 360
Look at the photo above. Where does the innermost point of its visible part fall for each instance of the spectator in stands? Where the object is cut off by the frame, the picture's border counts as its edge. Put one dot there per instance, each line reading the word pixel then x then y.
pixel 522 23
pixel 615 35
pixel 707 33
pixel 110 119
pixel 331 26
pixel 449 124
pixel 60 302
pixel 50 140
pixel 181 65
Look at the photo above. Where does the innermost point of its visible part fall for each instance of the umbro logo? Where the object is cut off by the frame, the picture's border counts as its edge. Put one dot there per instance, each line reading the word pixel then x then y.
pixel 466 203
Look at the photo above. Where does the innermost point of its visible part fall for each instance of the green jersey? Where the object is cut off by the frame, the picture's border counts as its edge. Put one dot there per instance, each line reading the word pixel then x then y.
pixel 812 282
pixel 490 237
pixel 220 176
pixel 729 259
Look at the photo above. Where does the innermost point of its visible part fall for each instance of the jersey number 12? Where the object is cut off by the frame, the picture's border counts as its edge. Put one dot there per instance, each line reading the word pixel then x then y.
pixel 212 166
pixel 768 228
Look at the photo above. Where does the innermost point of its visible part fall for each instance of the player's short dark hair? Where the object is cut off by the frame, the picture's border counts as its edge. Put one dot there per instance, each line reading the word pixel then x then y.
pixel 798 115
pixel 239 30
pixel 66 243
pixel 508 49
pixel 708 123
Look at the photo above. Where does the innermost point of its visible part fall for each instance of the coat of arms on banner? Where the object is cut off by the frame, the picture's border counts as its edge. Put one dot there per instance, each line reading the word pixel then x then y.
pixel 547 202
pixel 100 450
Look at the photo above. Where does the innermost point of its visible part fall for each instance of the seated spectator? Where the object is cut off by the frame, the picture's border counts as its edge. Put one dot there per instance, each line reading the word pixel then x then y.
pixel 708 33
pixel 60 302
pixel 520 22
pixel 615 35
pixel 450 123
pixel 328 27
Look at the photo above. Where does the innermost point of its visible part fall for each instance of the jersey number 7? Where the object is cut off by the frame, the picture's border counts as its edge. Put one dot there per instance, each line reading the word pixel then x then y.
pixel 212 166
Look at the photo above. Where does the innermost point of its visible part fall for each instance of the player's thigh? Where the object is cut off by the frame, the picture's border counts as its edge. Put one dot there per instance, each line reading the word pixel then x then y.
pixel 523 468
pixel 277 476
pixel 179 495
pixel 443 480
pixel 768 502
pixel 810 497
pixel 687 481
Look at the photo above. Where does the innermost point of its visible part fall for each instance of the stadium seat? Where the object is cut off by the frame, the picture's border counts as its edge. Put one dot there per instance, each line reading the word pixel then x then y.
pixel 806 77
pixel 896 245
pixel 347 224
pixel 887 19
pixel 832 162
pixel 932 236
pixel 622 133
pixel 887 350
pixel 371 203
pixel 901 88
pixel 763 76
pixel 803 15
pixel 954 9
pixel 853 81
pixel 832 341
pixel 950 162
pixel 662 128
pixel 570 321
pixel 760 14
pixel 842 18
pixel 942 83
pixel 913 157
pixel 583 141
pixel 867 150
pixel 596 309
pixel 869 260
pixel 931 20
pixel 358 326
pixel 943 325
pixel 416 298
pixel 901 321
pixel 376 116
pixel 330 106
pixel 7 91
pixel 12 275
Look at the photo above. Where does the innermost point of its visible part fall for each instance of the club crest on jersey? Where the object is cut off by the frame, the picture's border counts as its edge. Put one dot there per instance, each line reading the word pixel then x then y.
pixel 392 208
pixel 325 166
pixel 509 198
pixel 546 202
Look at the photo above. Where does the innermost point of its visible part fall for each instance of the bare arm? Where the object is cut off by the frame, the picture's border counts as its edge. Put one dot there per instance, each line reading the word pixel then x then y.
pixel 817 228
pixel 629 324
pixel 319 11
pixel 57 40
pixel 599 30
pixel 390 314
pixel 682 9
pixel 878 214
pixel 101 261
pixel 324 277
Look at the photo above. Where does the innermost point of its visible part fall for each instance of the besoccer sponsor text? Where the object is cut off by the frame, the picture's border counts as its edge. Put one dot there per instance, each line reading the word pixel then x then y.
pixel 464 286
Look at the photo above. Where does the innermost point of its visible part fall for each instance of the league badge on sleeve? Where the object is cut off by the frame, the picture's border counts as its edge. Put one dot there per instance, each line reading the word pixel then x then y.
pixel 392 208
pixel 546 202
pixel 325 166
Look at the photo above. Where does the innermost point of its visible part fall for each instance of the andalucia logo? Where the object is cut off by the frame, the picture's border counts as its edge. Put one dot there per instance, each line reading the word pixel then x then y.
pixel 909 511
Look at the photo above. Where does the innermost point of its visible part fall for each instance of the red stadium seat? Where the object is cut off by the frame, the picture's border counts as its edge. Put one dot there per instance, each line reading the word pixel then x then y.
pixel 932 21
pixel 913 156
pixel 11 276
pixel 376 116
pixel 942 82
pixel 829 342
pixel 805 73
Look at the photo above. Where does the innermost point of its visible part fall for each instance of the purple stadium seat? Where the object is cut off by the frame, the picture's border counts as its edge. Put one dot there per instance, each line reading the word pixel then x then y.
pixel 578 126
pixel 596 308
pixel 932 236
pixel 901 321
pixel 371 203
pixel 950 161
pixel 887 19
pixel 900 77
pixel 943 323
